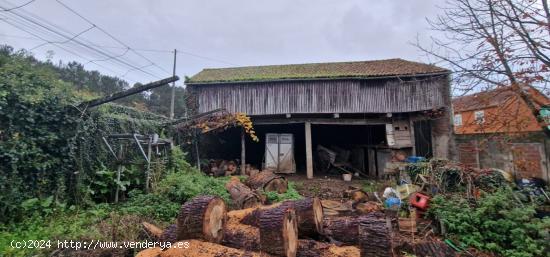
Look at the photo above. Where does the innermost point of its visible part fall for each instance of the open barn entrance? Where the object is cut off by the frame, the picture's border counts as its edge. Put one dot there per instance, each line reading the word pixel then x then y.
pixel 256 151
pixel 346 148
pixel 335 148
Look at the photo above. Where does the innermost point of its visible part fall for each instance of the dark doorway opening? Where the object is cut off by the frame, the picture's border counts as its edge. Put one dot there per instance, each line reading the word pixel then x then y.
pixel 423 138
pixel 355 146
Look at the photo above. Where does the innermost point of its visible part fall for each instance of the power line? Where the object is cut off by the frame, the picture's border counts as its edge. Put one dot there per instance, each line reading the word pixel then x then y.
pixel 17 7
pixel 83 44
pixel 110 35
pixel 101 57
pixel 66 41
pixel 146 50
pixel 66 50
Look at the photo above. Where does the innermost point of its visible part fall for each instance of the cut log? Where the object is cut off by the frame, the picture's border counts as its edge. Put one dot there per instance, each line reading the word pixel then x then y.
pixel 336 208
pixel 356 194
pixel 311 248
pixel 374 236
pixel 150 252
pixel 309 214
pixel 242 237
pixel 279 231
pixel 341 229
pixel 169 234
pixel 202 217
pixel 242 196
pixel 368 207
pixel 151 230
pixel 198 248
pixel 268 182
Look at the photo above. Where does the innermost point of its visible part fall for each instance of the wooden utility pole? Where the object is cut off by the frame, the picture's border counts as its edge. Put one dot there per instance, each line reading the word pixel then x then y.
pixel 125 93
pixel 173 87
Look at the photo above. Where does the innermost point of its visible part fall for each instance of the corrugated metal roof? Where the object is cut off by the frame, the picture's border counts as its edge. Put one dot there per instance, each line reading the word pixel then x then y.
pixel 362 69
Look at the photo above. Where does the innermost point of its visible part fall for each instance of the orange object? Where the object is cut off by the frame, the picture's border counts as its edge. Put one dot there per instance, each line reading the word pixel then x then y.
pixel 420 201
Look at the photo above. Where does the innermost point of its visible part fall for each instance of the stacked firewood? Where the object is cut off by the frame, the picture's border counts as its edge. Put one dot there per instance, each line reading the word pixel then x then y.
pixel 218 168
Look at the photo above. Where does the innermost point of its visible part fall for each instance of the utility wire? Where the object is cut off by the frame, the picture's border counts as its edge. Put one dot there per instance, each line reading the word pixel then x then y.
pixel 65 49
pixel 145 50
pixel 110 57
pixel 66 41
pixel 21 26
pixel 17 7
pixel 80 48
pixel 111 36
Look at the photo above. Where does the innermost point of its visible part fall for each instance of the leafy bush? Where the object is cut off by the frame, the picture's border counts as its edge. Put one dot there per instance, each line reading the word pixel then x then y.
pixel 151 206
pixel 183 185
pixel 496 223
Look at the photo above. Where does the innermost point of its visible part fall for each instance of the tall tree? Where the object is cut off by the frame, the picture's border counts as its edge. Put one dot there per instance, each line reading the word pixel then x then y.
pixel 494 43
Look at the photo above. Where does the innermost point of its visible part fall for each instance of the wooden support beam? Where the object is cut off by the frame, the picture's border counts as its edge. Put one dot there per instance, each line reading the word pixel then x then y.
pixel 125 93
pixel 243 151
pixel 309 151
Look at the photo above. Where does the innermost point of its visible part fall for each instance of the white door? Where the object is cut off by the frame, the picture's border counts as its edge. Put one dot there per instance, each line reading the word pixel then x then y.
pixel 271 151
pixel 286 154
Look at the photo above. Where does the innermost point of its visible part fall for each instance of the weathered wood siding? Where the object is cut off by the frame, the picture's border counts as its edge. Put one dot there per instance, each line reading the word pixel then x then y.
pixel 330 96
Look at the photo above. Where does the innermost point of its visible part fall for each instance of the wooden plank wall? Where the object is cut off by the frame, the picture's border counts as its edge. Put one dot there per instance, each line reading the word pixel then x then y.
pixel 328 96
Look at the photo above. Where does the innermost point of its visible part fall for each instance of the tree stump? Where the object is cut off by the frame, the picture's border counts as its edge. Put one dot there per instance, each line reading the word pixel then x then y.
pixel 311 248
pixel 341 229
pixel 279 231
pixel 242 196
pixel 169 234
pixel 202 217
pixel 374 236
pixel 268 182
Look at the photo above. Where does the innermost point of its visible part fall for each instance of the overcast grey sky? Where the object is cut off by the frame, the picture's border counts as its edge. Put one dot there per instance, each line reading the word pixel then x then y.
pixel 221 32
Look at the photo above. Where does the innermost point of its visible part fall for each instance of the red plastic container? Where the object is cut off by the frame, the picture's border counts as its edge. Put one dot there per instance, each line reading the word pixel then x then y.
pixel 420 201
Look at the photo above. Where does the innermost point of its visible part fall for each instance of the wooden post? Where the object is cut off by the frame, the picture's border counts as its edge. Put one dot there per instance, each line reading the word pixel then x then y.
pixel 119 170
pixel 309 153
pixel 243 152
pixel 148 178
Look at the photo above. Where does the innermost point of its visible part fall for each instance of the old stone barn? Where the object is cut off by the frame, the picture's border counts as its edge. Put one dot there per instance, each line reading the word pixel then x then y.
pixel 349 116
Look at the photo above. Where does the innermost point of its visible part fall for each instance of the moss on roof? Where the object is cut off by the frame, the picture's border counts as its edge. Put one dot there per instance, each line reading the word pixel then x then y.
pixel 363 69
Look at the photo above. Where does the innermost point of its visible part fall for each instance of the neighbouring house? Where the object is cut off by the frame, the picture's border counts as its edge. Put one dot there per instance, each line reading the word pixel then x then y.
pixel 497 129
pixel 363 112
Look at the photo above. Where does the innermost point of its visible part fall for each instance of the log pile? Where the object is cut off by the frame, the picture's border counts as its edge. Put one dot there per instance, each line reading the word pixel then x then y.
pixel 290 228
pixel 219 168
